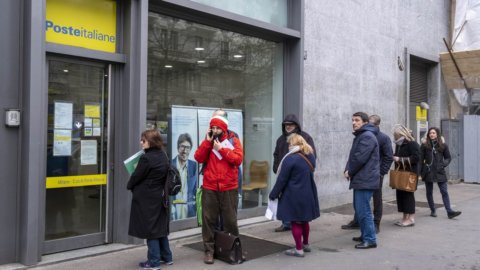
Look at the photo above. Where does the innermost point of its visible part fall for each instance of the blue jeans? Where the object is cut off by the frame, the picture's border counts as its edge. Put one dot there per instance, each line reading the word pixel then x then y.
pixel 158 249
pixel 443 186
pixel 363 213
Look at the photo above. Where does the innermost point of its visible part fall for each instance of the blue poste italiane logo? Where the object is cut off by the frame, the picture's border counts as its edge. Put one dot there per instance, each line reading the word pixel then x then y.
pixel 79 32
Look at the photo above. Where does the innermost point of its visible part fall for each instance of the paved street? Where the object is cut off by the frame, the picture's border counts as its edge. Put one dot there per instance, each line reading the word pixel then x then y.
pixel 433 243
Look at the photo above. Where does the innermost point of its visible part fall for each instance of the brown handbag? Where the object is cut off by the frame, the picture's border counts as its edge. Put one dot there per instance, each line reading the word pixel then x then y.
pixel 228 248
pixel 402 179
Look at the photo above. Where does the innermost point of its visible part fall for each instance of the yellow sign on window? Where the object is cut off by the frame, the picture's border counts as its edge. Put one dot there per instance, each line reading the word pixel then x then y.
pixel 421 114
pixel 76 181
pixel 89 24
pixel 92 110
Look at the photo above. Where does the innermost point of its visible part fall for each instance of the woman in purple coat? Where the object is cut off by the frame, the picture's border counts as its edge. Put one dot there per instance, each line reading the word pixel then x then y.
pixel 296 192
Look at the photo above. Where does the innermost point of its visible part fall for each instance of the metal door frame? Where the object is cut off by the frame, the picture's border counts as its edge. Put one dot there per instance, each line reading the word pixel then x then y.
pixel 87 240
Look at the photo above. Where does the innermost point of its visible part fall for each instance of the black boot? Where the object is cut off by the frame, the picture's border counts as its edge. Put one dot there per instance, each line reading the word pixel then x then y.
pixel 454 214
pixel 352 225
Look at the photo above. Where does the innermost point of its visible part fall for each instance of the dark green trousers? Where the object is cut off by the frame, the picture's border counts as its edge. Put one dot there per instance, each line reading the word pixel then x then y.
pixel 215 203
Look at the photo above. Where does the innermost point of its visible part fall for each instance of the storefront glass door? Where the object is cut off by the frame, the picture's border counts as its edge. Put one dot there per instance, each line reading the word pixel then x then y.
pixel 76 182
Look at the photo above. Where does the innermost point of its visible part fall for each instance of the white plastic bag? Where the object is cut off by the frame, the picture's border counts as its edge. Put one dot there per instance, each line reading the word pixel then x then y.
pixel 271 213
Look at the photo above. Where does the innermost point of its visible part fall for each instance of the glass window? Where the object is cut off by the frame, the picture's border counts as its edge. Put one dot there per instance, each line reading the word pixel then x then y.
pixel 270 11
pixel 213 68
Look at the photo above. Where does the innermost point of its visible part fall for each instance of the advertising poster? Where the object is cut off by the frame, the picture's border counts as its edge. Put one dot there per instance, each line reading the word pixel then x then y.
pixel 193 122
pixel 184 143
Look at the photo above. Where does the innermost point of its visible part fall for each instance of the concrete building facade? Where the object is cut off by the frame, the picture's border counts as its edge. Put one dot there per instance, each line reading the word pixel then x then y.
pixel 358 58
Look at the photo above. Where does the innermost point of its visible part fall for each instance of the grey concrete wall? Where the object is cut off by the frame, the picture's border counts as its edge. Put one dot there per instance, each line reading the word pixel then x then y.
pixel 9 144
pixel 352 49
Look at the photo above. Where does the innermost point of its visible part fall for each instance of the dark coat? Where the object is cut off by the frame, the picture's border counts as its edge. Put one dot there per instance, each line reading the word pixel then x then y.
pixel 149 218
pixel 281 148
pixel 433 162
pixel 409 153
pixel 363 163
pixel 191 186
pixel 296 190
pixel 386 152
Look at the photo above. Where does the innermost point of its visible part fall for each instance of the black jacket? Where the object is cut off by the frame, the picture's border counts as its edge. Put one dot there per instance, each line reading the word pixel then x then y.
pixel 281 148
pixel 149 218
pixel 386 152
pixel 363 163
pixel 433 162
pixel 409 153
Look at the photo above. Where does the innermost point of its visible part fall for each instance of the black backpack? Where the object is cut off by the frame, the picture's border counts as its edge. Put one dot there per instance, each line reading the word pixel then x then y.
pixel 173 183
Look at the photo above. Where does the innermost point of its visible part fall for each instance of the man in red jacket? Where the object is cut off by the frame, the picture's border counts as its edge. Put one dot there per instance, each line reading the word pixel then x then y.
pixel 220 181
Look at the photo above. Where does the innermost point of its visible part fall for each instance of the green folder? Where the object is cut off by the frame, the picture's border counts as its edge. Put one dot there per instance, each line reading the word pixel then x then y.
pixel 131 162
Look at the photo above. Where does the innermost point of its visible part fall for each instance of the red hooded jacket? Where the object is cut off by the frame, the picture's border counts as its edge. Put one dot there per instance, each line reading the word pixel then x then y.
pixel 220 175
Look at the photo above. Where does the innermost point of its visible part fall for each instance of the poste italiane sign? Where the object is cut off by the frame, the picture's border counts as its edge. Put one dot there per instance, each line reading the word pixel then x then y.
pixel 88 24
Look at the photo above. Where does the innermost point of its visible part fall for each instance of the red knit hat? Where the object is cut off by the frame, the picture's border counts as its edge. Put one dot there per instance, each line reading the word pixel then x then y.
pixel 220 122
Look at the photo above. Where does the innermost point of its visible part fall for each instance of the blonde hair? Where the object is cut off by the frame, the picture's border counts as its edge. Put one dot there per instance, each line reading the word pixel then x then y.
pixel 401 130
pixel 295 139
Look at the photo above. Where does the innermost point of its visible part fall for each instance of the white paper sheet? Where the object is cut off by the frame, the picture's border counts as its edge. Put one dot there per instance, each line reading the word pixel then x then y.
pixel 271 213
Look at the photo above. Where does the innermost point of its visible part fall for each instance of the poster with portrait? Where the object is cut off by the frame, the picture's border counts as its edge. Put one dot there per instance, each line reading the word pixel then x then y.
pixel 184 143
pixel 193 121
pixel 235 124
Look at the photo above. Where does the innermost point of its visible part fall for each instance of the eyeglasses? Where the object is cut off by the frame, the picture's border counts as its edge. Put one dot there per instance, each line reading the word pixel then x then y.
pixel 142 141
pixel 184 147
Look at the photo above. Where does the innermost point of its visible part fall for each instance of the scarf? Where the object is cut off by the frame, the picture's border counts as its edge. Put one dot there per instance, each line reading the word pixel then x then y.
pixel 400 141
pixel 293 150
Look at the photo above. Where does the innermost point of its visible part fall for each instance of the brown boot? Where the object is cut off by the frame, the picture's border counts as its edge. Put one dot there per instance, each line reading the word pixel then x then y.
pixel 208 259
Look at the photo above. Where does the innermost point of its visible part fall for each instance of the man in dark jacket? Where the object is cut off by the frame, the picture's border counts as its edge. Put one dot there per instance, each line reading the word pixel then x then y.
pixel 363 172
pixel 386 159
pixel 289 125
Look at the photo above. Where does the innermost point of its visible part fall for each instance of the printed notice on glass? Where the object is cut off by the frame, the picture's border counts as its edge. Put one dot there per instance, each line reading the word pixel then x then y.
pixel 62 142
pixel 97 132
pixel 88 132
pixel 96 122
pixel 88 152
pixel 63 115
pixel 92 110
pixel 88 122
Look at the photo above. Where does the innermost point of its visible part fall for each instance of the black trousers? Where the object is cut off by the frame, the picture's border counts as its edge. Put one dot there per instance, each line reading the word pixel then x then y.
pixel 378 203
pixel 215 203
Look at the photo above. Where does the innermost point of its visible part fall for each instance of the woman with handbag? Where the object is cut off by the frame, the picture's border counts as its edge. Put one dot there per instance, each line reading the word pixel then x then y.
pixel 149 216
pixel 297 193
pixel 406 156
pixel 434 158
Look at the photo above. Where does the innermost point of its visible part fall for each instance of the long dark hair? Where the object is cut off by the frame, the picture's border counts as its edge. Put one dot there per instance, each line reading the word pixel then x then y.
pixel 440 145
pixel 152 136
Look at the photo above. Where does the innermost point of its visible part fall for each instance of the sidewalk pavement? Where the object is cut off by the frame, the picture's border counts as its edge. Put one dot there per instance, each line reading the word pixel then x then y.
pixel 433 243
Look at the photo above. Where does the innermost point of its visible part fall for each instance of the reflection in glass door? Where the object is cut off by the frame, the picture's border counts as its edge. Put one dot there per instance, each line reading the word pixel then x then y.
pixel 76 155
